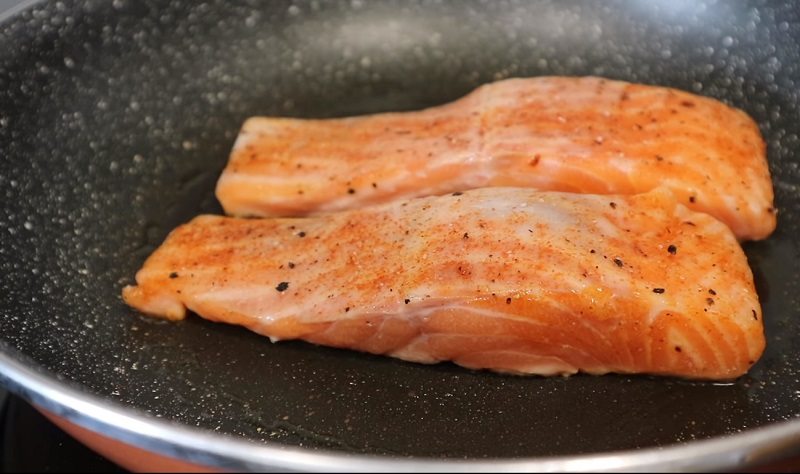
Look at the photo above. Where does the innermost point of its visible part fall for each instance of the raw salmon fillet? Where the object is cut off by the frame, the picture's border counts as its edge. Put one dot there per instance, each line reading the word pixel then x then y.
pixel 587 135
pixel 508 279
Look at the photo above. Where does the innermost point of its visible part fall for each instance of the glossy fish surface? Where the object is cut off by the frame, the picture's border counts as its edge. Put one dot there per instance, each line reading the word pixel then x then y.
pixel 508 279
pixel 578 134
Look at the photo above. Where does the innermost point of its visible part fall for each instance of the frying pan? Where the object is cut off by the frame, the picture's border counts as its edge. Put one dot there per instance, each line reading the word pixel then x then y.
pixel 116 118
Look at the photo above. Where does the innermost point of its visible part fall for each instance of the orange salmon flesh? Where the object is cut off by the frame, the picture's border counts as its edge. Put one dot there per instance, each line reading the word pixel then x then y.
pixel 509 279
pixel 578 134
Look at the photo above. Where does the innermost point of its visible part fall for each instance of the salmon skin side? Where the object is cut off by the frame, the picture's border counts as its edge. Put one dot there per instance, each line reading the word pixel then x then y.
pixel 507 279
pixel 577 134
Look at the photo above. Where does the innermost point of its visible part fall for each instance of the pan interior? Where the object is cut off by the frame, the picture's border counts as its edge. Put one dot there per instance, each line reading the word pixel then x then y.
pixel 116 119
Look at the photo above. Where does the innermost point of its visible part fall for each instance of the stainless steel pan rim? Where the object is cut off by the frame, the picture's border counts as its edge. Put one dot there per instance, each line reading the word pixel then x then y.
pixel 740 451
pixel 68 345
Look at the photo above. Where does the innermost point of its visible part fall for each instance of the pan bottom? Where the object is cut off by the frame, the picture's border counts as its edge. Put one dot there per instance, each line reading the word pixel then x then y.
pixel 29 442
pixel 129 457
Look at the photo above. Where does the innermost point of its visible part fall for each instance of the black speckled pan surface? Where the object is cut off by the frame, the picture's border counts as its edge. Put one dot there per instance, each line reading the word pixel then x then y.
pixel 116 118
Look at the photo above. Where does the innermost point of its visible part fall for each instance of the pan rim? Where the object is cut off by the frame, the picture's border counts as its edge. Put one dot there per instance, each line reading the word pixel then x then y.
pixel 43 388
pixel 756 447
pixel 13 11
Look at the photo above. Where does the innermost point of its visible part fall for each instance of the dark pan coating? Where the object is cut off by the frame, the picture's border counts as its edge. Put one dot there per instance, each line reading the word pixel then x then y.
pixel 116 119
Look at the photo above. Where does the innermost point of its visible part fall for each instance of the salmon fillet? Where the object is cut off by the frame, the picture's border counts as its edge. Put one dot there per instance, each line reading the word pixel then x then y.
pixel 501 278
pixel 587 135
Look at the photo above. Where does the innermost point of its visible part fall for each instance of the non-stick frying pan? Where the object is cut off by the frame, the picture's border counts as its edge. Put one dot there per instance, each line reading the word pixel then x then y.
pixel 116 118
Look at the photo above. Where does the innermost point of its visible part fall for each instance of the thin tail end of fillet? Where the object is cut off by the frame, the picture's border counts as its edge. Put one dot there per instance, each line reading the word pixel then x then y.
pixel 155 304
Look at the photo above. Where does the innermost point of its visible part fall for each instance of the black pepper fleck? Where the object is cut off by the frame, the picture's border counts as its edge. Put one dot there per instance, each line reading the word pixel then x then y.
pixel 712 292
pixel 466 235
pixel 282 286
pixel 508 300
pixel 408 301
pixel 618 262
pixel 678 349
pixel 351 191
pixel 301 234
pixel 291 264
pixel 173 275
pixel 457 193
pixel 710 301
pixel 613 205
pixel 672 249
pixel 658 290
